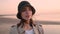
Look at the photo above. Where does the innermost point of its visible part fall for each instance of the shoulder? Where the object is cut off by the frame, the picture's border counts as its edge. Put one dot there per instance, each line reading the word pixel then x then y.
pixel 38 24
pixel 13 27
pixel 40 27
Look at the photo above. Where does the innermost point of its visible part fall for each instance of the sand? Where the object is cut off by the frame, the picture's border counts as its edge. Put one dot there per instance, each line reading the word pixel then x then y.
pixel 6 23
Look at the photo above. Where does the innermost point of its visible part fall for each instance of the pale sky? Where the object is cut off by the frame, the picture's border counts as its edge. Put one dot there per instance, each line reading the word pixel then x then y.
pixel 45 9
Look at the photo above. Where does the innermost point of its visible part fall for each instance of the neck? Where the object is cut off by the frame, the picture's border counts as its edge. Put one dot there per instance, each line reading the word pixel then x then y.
pixel 27 22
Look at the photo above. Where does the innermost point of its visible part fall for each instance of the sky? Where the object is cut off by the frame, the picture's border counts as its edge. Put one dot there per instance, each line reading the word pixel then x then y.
pixel 48 10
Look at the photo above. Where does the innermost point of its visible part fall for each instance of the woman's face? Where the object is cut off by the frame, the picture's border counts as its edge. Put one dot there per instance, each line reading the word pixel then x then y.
pixel 26 13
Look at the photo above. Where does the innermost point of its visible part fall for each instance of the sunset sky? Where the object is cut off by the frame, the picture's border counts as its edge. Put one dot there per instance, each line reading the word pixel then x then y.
pixel 45 9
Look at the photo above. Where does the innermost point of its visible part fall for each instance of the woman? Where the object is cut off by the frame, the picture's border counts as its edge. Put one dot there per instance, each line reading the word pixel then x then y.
pixel 26 25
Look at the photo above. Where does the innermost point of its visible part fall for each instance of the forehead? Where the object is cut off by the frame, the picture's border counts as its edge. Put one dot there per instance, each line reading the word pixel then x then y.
pixel 26 7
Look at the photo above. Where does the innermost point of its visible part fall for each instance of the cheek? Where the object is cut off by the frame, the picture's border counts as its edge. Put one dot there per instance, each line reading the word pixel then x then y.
pixel 23 14
pixel 30 13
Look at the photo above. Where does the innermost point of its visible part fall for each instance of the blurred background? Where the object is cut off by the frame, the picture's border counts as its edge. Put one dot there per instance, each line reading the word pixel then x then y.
pixel 47 14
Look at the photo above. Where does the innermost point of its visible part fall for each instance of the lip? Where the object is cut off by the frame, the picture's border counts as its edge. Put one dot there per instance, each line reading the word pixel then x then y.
pixel 27 16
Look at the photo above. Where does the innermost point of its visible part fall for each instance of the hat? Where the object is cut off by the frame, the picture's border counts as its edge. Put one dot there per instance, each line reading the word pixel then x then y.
pixel 23 4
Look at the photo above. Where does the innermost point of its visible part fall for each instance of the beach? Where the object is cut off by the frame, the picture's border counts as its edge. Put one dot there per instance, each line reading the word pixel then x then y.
pixel 47 13
pixel 49 27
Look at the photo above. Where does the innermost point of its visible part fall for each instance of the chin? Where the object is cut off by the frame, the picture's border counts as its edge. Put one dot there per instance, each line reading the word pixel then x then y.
pixel 27 19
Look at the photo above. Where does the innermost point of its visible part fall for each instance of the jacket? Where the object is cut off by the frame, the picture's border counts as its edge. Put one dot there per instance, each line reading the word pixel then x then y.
pixel 37 29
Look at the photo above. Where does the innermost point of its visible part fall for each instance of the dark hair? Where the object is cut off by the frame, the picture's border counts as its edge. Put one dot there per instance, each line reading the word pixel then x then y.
pixel 20 7
pixel 23 21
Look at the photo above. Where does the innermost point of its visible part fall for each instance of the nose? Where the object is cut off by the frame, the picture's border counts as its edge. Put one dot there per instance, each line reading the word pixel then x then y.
pixel 27 12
